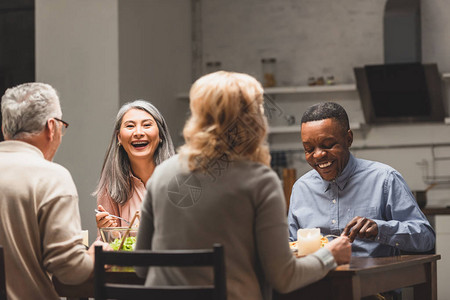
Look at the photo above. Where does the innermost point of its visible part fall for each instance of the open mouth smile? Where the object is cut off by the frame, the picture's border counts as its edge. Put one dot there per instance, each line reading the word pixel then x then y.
pixel 139 144
pixel 324 165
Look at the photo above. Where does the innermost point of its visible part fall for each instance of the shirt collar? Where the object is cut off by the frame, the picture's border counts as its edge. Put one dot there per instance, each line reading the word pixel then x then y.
pixel 136 179
pixel 20 146
pixel 342 179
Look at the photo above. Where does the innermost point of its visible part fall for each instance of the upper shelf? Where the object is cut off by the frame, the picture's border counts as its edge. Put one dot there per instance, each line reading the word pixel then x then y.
pixel 311 89
pixel 300 89
pixel 321 88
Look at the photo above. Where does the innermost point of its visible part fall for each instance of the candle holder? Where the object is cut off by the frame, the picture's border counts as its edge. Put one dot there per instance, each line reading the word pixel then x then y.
pixel 308 241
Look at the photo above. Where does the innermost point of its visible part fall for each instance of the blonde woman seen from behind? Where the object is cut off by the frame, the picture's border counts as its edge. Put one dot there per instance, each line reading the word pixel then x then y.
pixel 220 189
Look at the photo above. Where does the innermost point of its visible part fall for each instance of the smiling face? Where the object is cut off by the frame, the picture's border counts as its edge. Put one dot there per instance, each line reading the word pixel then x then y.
pixel 326 146
pixel 139 134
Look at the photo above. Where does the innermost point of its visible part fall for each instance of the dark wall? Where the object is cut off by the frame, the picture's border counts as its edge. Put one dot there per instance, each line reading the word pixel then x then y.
pixel 17 40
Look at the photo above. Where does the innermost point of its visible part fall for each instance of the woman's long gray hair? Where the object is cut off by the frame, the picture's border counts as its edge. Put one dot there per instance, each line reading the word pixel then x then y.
pixel 115 178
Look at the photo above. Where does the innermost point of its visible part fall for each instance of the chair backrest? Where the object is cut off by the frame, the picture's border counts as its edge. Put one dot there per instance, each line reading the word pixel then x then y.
pixel 2 276
pixel 169 258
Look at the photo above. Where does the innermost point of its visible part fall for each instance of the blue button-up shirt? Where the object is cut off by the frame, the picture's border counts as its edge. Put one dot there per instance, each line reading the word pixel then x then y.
pixel 366 189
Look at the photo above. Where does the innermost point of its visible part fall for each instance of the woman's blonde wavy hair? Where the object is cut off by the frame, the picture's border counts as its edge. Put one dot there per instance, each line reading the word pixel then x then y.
pixel 227 121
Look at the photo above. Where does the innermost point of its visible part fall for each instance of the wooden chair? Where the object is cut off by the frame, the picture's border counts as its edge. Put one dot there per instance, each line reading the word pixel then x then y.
pixel 289 178
pixel 179 258
pixel 2 276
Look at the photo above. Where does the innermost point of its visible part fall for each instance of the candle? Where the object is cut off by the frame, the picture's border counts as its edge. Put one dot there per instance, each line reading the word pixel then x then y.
pixel 308 240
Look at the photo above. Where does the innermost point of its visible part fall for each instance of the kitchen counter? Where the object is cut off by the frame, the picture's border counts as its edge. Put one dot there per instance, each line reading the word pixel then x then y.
pixel 433 211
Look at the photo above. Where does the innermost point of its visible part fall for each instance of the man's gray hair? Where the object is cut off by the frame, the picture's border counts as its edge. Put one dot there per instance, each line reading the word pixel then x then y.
pixel 26 109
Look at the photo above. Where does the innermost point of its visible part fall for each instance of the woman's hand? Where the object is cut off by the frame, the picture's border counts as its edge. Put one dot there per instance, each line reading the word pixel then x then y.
pixel 341 248
pixel 103 219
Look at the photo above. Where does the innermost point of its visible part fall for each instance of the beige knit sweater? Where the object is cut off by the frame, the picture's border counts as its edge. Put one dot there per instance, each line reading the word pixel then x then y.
pixel 39 224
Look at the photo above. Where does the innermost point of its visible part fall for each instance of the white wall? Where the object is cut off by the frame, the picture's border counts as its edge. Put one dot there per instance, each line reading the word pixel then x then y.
pixel 310 37
pixel 155 56
pixel 77 53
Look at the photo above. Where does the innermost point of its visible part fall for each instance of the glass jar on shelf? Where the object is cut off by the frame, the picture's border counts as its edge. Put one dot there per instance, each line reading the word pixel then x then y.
pixel 268 69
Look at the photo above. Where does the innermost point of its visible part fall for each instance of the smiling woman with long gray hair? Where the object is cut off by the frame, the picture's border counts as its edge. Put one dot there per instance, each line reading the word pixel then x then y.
pixel 140 141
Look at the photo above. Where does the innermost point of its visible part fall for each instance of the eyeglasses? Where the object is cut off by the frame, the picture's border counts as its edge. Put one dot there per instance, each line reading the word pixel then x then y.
pixel 65 125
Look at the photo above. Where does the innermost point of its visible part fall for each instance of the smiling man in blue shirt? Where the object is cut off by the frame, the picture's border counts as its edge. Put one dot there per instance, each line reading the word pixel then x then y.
pixel 366 200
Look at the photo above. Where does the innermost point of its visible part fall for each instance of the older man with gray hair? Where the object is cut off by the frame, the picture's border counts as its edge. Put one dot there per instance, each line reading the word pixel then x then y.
pixel 40 226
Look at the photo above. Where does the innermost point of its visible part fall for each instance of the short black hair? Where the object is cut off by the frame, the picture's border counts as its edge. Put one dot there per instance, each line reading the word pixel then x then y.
pixel 327 110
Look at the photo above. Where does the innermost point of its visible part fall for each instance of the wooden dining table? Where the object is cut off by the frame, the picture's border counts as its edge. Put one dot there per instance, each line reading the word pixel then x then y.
pixel 363 276
pixel 366 276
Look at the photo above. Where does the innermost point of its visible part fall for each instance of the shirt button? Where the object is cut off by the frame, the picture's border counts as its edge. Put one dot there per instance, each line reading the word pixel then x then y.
pixel 333 221
pixel 334 200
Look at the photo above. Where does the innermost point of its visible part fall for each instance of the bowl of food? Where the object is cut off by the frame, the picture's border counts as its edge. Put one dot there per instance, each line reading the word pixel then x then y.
pixel 119 238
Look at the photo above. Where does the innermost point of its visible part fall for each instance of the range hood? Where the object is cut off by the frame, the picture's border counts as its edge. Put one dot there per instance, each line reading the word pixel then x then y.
pixel 403 89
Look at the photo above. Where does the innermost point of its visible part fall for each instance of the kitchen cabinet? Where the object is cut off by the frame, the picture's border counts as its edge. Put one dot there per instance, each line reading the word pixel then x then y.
pixel 285 105
pixel 288 101
pixel 283 101
pixel 281 135
pixel 274 92
pixel 439 218
pixel 297 91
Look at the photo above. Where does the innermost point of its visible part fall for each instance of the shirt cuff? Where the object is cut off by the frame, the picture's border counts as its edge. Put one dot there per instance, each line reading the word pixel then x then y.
pixel 326 258
pixel 381 238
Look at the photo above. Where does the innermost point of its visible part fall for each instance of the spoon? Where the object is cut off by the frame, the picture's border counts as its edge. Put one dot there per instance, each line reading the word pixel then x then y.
pixel 97 211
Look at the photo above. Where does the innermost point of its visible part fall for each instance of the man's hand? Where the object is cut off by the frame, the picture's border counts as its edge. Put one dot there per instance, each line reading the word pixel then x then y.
pixel 361 227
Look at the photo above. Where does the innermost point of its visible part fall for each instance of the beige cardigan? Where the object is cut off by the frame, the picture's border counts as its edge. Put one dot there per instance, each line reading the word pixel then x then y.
pixel 39 224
